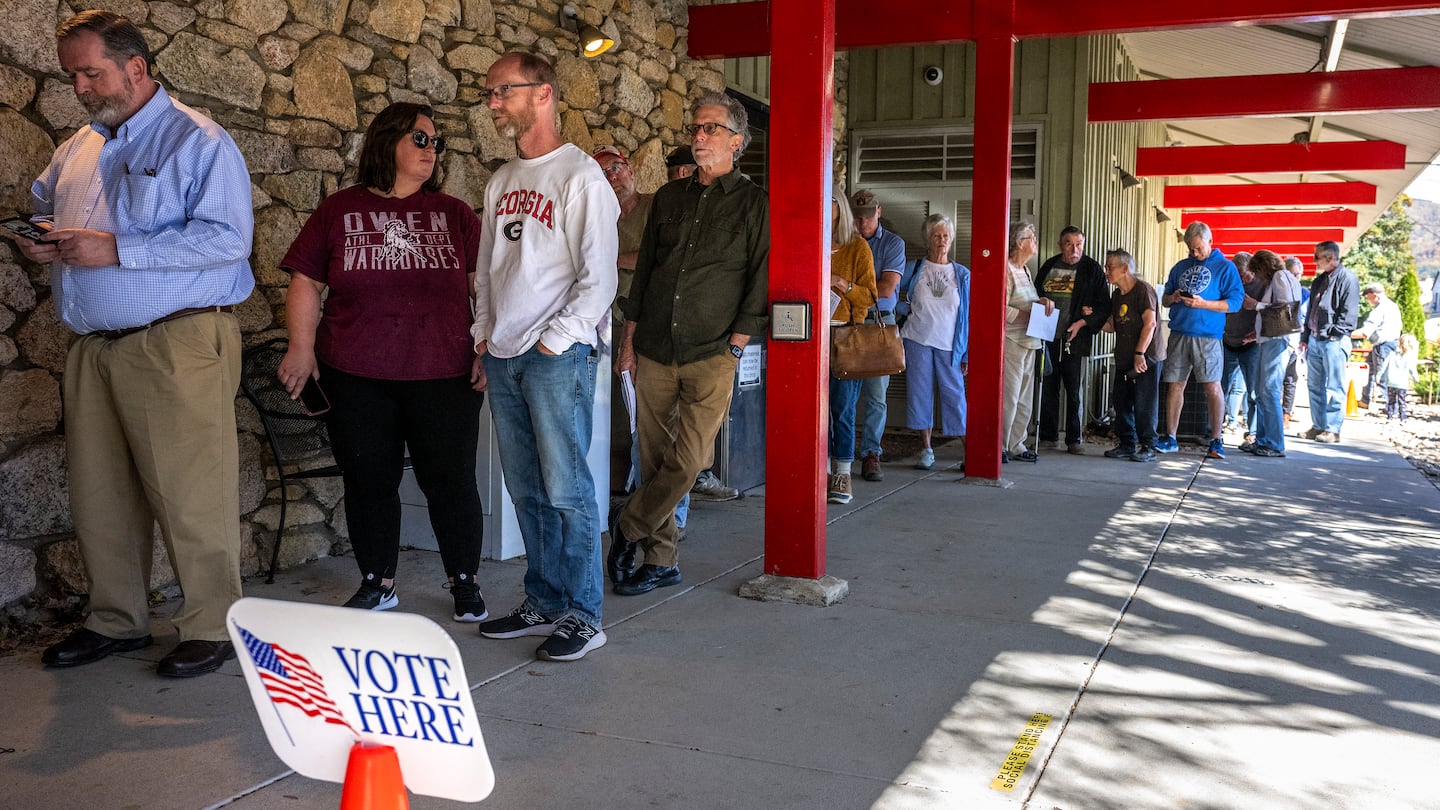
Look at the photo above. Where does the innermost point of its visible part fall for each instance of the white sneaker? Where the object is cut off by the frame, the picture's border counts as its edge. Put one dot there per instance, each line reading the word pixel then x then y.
pixel 572 639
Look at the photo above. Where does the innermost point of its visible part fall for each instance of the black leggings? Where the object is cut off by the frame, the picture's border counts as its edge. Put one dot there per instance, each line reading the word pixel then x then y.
pixel 372 422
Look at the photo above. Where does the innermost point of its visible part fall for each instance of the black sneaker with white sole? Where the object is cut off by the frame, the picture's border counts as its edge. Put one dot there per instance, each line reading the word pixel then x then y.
pixel 572 639
pixel 373 597
pixel 522 621
pixel 469 603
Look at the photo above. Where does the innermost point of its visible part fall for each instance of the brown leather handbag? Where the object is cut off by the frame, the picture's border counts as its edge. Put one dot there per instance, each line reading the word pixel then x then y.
pixel 861 350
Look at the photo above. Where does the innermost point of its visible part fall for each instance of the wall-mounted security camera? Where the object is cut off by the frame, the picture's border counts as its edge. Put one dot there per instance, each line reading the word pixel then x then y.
pixel 932 75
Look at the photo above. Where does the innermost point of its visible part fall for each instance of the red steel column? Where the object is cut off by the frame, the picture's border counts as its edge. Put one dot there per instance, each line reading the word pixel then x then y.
pixel 989 218
pixel 797 402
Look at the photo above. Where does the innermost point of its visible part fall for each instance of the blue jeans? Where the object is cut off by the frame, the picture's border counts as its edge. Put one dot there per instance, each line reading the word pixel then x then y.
pixel 1244 360
pixel 1137 406
pixel 543 408
pixel 1378 353
pixel 872 393
pixel 843 396
pixel 1270 428
pixel 1326 363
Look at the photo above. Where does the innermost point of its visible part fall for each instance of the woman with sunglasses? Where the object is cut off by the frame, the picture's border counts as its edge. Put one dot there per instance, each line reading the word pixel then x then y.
pixel 392 350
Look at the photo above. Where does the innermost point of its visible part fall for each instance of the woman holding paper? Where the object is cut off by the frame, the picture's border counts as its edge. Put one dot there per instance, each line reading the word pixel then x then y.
pixel 1020 299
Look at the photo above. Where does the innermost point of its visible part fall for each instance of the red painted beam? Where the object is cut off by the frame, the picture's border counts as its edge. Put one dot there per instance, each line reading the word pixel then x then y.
pixel 1347 91
pixel 1230 196
pixel 1337 218
pixel 743 29
pixel 802 93
pixel 1063 18
pixel 1351 156
pixel 1253 235
pixel 1292 249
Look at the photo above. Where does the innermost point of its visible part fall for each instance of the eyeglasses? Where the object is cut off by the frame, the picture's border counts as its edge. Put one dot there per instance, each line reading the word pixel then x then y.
pixel 708 128
pixel 615 168
pixel 503 91
pixel 422 140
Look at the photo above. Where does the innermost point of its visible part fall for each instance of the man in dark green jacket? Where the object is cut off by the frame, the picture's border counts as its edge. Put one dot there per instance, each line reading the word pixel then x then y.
pixel 698 295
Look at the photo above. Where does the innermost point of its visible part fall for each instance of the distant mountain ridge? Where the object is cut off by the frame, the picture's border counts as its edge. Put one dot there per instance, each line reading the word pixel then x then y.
pixel 1425 237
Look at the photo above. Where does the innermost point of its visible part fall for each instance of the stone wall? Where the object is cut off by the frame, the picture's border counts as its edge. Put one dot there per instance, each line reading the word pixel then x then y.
pixel 295 82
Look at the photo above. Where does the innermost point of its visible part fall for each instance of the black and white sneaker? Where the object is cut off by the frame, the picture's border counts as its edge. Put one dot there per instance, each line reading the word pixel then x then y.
pixel 373 597
pixel 469 604
pixel 572 639
pixel 521 621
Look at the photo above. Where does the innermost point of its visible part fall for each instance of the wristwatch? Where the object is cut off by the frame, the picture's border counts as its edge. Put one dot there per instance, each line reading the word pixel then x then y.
pixel 737 351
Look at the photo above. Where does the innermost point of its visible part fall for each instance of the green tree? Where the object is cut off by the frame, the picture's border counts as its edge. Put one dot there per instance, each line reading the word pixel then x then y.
pixel 1412 309
pixel 1382 254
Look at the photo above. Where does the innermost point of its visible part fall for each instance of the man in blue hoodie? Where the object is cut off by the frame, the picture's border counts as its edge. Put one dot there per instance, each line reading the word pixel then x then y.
pixel 1201 290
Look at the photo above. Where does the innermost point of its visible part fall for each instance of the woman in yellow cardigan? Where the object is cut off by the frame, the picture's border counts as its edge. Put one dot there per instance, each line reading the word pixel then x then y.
pixel 852 279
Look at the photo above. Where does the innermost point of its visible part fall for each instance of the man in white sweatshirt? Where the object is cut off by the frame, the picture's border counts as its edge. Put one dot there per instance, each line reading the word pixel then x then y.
pixel 543 283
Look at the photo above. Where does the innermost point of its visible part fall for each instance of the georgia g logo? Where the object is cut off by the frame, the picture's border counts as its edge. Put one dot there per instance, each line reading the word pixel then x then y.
pixel 512 230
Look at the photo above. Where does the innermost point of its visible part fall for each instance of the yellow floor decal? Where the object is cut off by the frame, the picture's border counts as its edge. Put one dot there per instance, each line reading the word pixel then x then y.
pixel 1014 765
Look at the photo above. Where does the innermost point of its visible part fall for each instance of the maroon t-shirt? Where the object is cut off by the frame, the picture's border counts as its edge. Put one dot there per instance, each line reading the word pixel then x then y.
pixel 399 301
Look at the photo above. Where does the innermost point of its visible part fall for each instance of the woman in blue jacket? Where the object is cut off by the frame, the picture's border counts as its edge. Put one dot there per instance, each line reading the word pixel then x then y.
pixel 936 336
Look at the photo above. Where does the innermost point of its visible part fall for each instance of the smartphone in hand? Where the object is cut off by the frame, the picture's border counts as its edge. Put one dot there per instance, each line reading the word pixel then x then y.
pixel 312 398
pixel 25 228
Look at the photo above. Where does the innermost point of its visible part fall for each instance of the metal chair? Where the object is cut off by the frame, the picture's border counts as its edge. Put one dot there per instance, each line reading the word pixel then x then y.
pixel 294 435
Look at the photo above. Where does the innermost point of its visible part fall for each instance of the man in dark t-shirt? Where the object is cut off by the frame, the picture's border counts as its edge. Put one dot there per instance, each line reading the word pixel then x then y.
pixel 1139 354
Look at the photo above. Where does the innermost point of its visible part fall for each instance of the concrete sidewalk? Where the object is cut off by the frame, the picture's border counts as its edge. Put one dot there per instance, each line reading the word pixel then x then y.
pixel 1213 634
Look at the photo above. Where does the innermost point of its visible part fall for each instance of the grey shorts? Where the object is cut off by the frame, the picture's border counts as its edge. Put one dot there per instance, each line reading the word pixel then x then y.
pixel 1186 356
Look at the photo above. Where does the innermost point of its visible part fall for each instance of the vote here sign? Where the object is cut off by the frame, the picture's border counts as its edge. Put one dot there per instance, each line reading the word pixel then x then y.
pixel 324 678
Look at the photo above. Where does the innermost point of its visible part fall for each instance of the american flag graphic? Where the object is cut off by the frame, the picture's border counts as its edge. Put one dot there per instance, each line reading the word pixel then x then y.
pixel 289 679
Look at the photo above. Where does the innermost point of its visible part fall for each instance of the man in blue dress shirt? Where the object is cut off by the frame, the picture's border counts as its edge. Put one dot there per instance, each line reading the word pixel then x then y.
pixel 888 250
pixel 150 207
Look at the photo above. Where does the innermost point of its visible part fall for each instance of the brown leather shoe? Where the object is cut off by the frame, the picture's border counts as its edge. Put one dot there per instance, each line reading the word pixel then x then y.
pixel 870 468
pixel 195 657
pixel 86 646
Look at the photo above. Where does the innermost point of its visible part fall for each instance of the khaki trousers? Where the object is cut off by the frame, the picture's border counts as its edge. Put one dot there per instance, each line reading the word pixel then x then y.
pixel 1019 396
pixel 679 410
pixel 150 438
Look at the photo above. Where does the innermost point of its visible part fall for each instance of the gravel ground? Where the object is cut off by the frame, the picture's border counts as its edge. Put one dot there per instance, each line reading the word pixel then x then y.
pixel 1418 440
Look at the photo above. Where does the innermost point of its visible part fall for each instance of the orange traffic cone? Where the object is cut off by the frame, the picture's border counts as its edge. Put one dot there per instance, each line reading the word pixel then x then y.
pixel 373 781
pixel 1350 407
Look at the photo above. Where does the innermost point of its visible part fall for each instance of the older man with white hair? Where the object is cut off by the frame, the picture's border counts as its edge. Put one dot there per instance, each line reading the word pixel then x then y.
pixel 1382 328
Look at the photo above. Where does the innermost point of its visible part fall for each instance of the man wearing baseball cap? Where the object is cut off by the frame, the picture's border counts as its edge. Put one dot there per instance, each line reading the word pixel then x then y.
pixel 889 252
pixel 680 163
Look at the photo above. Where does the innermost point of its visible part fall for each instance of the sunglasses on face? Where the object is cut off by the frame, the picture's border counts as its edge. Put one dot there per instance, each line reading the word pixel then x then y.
pixel 422 140
pixel 709 128
pixel 502 92
pixel 615 168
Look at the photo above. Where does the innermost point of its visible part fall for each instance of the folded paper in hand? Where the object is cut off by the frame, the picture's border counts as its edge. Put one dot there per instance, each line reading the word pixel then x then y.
pixel 1041 325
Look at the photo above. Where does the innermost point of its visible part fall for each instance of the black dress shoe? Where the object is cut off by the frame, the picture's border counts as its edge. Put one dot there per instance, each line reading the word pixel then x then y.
pixel 195 657
pixel 621 559
pixel 86 646
pixel 649 577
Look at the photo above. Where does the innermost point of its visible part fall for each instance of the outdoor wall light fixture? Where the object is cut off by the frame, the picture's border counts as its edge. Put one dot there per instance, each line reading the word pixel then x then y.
pixel 1127 180
pixel 1160 215
pixel 593 41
